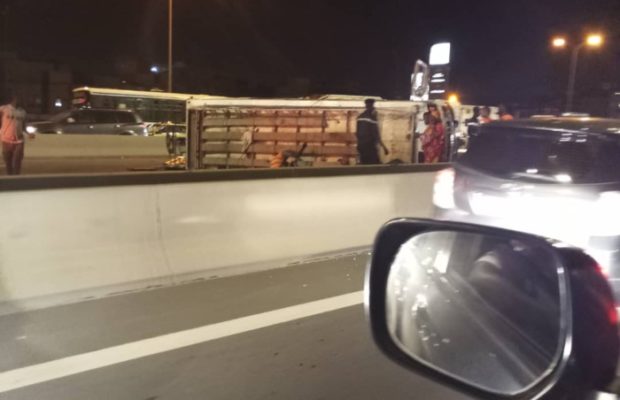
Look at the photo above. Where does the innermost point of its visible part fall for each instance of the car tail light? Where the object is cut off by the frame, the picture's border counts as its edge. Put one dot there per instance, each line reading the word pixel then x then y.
pixel 443 190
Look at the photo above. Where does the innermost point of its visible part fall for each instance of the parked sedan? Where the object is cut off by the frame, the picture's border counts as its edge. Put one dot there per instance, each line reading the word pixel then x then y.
pixel 557 177
pixel 92 121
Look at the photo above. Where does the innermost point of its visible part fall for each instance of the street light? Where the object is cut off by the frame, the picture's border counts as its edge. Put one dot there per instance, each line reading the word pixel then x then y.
pixel 170 10
pixel 593 40
pixel 558 42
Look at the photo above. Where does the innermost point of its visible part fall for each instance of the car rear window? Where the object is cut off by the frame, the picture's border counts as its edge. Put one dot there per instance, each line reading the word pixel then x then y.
pixel 553 157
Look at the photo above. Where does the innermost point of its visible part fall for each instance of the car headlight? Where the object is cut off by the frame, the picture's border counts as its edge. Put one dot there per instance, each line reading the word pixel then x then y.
pixel 443 189
pixel 31 130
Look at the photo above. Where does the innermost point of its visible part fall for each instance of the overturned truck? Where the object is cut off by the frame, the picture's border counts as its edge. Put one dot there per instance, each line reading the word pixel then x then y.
pixel 250 133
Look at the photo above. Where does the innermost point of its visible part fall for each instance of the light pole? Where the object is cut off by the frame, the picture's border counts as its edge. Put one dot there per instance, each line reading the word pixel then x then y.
pixel 170 15
pixel 592 40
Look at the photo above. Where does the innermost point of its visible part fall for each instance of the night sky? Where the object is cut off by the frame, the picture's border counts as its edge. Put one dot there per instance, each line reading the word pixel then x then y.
pixel 500 48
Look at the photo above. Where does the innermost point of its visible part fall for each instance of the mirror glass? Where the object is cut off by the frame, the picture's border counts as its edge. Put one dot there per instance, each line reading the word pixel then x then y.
pixel 483 309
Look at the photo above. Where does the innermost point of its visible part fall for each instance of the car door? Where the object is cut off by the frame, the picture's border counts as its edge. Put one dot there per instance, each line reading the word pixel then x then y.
pixel 79 122
pixel 126 123
pixel 104 122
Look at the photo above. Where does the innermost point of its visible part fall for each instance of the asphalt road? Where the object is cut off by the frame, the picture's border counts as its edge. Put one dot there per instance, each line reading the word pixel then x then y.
pixel 275 351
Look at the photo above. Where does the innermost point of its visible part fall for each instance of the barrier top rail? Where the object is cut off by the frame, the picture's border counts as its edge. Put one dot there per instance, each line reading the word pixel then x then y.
pixel 46 182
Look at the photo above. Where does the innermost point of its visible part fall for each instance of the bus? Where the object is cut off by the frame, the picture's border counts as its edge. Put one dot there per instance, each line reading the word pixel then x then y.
pixel 154 107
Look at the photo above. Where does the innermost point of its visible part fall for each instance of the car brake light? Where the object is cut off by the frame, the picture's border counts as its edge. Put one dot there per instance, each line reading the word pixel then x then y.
pixel 443 190
pixel 612 314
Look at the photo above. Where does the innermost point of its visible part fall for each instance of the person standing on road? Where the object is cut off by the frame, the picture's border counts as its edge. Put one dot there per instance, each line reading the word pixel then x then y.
pixel 368 136
pixel 12 127
pixel 504 115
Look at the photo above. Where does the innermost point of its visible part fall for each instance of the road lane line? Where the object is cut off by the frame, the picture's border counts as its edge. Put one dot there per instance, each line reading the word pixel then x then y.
pixel 48 371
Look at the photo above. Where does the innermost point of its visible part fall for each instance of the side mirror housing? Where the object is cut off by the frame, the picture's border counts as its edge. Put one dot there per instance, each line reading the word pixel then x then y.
pixel 490 312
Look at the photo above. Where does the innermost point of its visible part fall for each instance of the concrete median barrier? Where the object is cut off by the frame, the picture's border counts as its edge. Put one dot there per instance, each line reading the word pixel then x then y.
pixel 66 240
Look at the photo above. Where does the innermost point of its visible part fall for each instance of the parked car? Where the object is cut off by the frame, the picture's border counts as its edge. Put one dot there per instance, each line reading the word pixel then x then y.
pixel 556 177
pixel 92 121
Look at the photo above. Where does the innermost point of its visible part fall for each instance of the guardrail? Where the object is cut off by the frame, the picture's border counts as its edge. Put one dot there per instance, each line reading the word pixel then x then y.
pixel 67 239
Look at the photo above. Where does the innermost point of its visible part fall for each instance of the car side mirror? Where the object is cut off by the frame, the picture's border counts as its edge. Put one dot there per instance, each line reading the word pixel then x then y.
pixel 490 312
pixel 71 120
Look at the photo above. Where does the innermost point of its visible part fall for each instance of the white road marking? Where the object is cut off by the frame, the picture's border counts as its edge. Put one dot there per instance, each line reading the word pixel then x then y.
pixel 35 374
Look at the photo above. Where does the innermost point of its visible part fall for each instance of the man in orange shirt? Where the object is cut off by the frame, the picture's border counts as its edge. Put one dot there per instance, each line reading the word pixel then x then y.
pixel 12 128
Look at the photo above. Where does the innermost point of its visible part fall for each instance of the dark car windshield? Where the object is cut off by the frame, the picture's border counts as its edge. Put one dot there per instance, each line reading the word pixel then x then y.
pixel 546 157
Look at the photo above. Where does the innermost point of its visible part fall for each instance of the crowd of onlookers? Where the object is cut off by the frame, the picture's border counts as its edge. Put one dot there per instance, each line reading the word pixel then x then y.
pixel 431 142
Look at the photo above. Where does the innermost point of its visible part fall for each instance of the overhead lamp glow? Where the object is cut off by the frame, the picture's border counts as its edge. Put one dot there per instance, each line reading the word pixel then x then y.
pixel 440 54
pixel 559 42
pixel 594 40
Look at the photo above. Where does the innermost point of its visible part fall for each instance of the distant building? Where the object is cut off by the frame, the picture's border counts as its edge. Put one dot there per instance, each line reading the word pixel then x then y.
pixel 43 87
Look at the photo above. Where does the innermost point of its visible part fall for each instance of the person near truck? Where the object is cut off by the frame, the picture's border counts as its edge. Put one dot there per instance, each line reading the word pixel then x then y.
pixel 475 118
pixel 433 138
pixel 485 115
pixel 12 128
pixel 504 115
pixel 368 136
